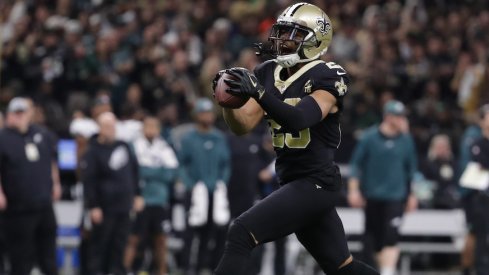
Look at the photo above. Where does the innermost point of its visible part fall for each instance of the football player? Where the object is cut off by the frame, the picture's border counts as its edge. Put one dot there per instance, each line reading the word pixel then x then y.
pixel 302 99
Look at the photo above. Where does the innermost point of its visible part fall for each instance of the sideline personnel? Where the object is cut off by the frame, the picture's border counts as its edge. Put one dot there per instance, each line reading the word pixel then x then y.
pixel 29 184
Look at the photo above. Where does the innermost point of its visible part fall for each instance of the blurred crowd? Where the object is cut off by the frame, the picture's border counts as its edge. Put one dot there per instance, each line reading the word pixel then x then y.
pixel 157 57
pixel 77 59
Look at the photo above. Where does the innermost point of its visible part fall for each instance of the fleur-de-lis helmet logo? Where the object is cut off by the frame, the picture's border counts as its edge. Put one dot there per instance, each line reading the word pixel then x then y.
pixel 323 26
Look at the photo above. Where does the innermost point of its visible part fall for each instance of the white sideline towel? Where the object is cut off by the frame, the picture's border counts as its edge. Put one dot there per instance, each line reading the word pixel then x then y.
pixel 475 177
pixel 155 154
pixel 85 127
pixel 199 205
pixel 220 211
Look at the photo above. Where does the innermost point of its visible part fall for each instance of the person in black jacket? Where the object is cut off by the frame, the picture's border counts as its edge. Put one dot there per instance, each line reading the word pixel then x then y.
pixel 480 155
pixel 110 178
pixel 29 182
pixel 439 167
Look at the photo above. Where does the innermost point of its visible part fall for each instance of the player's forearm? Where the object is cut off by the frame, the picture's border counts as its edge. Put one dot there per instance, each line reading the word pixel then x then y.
pixel 244 119
pixel 234 121
pixel 55 173
pixel 353 185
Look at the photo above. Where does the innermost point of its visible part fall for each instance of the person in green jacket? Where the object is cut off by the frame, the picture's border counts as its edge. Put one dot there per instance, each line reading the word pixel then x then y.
pixel 158 170
pixel 381 169
pixel 205 170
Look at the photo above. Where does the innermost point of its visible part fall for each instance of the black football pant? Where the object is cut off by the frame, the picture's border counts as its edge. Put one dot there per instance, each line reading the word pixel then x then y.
pixel 279 264
pixel 30 237
pixel 107 244
pixel 299 207
pixel 3 247
pixel 481 231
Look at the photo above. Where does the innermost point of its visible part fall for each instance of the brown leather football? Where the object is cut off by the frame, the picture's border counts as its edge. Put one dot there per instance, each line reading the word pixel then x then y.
pixel 225 99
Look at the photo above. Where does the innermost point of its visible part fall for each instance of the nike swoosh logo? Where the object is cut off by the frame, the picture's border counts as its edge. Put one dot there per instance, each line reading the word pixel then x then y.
pixel 252 81
pixel 340 73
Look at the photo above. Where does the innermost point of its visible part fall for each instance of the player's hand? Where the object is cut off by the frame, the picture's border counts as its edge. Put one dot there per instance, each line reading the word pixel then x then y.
pixel 245 85
pixel 138 204
pixel 404 125
pixel 411 204
pixel 96 215
pixel 3 201
pixel 56 192
pixel 216 79
pixel 355 199
pixel 265 175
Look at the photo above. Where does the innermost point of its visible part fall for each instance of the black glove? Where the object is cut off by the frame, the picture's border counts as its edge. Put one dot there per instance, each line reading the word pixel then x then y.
pixel 244 85
pixel 216 79
pixel 264 49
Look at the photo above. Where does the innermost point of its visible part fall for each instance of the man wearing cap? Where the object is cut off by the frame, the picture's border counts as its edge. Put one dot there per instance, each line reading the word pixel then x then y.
pixel 381 169
pixel 29 182
pixel 205 170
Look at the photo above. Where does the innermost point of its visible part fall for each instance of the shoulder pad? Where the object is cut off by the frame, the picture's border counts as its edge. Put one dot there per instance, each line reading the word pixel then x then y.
pixel 330 77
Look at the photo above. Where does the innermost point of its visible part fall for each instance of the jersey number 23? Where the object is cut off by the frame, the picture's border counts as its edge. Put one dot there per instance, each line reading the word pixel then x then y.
pixel 280 139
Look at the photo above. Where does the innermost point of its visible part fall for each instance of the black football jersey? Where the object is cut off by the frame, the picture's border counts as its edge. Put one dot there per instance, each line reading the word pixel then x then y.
pixel 309 152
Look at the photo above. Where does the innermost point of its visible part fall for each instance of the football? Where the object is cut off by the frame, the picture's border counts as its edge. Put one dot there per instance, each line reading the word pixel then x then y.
pixel 225 99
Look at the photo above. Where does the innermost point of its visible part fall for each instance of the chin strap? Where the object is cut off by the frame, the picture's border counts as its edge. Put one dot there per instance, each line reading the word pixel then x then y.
pixel 290 60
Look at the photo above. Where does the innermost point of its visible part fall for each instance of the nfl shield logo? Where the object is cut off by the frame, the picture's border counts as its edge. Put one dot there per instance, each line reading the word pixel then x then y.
pixel 308 87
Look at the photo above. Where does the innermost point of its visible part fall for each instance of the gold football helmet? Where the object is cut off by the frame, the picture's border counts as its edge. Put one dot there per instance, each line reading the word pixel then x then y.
pixel 306 25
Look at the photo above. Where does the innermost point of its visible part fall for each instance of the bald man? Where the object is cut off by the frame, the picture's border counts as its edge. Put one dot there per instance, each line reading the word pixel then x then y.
pixel 109 172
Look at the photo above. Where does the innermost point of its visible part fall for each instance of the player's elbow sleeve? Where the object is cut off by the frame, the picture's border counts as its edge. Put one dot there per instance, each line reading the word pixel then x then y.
pixel 296 124
pixel 293 118
pixel 308 114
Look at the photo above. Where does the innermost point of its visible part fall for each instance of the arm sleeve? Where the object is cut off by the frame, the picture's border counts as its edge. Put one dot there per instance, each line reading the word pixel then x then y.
pixel 479 155
pixel 225 162
pixel 307 112
pixel 89 178
pixel 171 168
pixel 412 163
pixel 294 118
pixel 170 174
pixel 413 159
pixel 149 173
pixel 464 155
pixel 162 174
pixel 54 144
pixel 184 158
pixel 135 169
